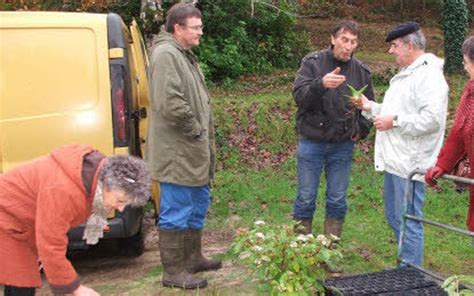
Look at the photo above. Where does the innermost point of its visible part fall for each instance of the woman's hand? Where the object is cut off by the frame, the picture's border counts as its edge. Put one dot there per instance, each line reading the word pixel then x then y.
pixel 432 174
pixel 84 291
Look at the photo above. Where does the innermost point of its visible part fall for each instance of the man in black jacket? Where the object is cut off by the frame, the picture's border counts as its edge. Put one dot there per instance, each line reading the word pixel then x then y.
pixel 328 126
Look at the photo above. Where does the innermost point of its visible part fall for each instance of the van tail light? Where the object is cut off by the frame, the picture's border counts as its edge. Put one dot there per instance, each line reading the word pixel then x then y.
pixel 119 106
pixel 120 114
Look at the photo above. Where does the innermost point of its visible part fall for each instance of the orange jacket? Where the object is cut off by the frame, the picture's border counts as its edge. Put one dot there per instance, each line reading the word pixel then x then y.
pixel 39 202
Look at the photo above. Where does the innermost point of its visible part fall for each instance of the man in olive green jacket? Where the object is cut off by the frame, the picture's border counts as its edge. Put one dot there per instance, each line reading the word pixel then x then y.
pixel 180 147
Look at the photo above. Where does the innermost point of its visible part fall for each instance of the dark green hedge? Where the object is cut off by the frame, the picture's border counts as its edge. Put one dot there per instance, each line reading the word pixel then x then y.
pixel 455 21
pixel 235 42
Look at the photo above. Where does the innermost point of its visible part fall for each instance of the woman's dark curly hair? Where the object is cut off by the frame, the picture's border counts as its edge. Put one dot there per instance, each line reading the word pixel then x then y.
pixel 128 174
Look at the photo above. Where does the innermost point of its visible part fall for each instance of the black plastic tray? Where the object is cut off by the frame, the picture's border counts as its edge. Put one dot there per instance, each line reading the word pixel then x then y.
pixel 398 281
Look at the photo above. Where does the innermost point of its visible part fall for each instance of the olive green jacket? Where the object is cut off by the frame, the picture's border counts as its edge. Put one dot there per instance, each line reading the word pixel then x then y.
pixel 180 145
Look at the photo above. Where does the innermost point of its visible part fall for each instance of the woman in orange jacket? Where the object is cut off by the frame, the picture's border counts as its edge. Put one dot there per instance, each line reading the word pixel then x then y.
pixel 461 138
pixel 42 199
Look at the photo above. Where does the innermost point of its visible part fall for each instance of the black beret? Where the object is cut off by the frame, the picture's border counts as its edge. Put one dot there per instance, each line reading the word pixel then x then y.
pixel 402 30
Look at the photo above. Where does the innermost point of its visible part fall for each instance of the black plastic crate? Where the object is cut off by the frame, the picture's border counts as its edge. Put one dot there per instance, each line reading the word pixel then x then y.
pixel 399 281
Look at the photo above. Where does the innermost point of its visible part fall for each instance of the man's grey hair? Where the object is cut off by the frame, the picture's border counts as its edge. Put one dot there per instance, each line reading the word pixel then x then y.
pixel 416 38
pixel 128 174
pixel 468 50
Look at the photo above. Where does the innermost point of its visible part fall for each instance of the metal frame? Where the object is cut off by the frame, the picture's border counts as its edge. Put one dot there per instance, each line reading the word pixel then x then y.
pixel 434 223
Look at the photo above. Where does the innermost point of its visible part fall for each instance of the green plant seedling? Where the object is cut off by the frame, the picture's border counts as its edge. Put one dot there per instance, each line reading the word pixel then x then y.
pixel 354 92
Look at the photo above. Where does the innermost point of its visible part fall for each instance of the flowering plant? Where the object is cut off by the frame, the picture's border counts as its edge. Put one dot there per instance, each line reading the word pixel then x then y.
pixel 291 263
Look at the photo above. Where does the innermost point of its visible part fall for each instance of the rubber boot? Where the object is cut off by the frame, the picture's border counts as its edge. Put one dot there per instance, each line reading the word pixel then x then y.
pixel 172 257
pixel 305 226
pixel 334 227
pixel 194 259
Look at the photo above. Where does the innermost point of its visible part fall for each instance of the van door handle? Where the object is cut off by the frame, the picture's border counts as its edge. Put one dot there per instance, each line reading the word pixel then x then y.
pixel 139 114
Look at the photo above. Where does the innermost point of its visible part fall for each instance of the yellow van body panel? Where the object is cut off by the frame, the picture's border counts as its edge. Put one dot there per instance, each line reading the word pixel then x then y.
pixel 54 78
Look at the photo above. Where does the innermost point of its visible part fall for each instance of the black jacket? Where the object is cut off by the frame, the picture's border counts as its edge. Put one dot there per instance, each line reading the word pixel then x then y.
pixel 326 115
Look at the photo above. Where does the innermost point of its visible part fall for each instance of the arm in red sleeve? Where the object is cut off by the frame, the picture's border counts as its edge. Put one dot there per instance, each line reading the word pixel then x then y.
pixel 54 214
pixel 452 151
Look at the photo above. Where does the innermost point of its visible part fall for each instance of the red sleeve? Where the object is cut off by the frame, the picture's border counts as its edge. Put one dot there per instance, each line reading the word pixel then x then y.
pixel 54 214
pixel 452 151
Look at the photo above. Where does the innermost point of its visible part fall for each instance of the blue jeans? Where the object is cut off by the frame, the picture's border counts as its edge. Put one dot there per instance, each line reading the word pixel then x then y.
pixel 394 192
pixel 183 207
pixel 336 160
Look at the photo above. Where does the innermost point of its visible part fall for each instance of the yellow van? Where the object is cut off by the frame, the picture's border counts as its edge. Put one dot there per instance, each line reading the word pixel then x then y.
pixel 73 78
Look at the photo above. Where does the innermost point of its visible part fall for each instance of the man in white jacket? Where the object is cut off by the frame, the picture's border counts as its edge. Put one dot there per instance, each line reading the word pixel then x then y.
pixel 410 127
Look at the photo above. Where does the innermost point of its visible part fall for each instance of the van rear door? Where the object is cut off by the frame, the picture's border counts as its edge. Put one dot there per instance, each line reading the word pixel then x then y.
pixel 54 83
pixel 128 63
pixel 141 62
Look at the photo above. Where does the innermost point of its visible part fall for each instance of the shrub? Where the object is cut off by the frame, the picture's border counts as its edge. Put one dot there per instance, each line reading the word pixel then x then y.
pixel 455 18
pixel 321 8
pixel 222 56
pixel 237 41
pixel 291 264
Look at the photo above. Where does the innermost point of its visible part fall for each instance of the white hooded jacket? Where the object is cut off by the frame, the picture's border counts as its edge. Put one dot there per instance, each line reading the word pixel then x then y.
pixel 418 95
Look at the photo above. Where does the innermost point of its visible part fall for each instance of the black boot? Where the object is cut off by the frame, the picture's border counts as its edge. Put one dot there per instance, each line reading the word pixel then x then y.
pixel 172 257
pixel 194 259
pixel 334 227
pixel 305 226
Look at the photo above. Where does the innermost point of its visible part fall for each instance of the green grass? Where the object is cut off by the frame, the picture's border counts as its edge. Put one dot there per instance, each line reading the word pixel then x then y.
pixel 367 239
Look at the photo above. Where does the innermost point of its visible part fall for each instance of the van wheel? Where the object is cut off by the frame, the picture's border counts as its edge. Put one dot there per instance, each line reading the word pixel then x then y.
pixel 133 246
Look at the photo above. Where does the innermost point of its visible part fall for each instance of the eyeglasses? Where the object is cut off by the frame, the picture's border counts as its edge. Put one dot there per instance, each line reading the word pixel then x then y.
pixel 194 28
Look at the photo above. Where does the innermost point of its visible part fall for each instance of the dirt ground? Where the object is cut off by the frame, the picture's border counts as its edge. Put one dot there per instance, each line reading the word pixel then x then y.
pixel 112 275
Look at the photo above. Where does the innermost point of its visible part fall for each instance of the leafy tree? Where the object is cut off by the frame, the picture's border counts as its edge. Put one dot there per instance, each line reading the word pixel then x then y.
pixel 455 20
pixel 243 36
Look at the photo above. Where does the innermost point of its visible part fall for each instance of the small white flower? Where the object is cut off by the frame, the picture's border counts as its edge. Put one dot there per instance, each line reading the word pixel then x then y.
pixel 266 258
pixel 302 237
pixel 258 261
pixel 322 239
pixel 293 244
pixel 310 236
pixel 259 222
pixel 282 288
pixel 333 237
pixel 257 248
pixel 260 235
pixel 244 255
